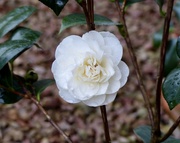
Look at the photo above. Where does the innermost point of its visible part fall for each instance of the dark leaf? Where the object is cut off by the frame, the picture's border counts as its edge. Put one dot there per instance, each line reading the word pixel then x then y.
pixel 11 83
pixel 171 59
pixel 23 33
pixel 129 2
pixel 13 18
pixel 178 47
pixel 176 9
pixel 55 5
pixel 41 85
pixel 80 19
pixel 171 88
pixel 144 133
pixel 12 49
pixel 157 39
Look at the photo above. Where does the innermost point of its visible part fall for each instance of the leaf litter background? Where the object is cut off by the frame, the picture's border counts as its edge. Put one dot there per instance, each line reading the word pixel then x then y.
pixel 24 123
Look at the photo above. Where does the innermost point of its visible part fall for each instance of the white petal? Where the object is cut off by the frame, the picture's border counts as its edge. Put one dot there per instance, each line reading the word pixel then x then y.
pixel 95 36
pixel 109 98
pixel 67 96
pixel 95 101
pixel 113 87
pixel 125 73
pixel 112 47
pixel 72 46
pixel 102 88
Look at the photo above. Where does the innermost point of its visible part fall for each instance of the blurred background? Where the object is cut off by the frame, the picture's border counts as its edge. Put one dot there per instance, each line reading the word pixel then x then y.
pixel 24 123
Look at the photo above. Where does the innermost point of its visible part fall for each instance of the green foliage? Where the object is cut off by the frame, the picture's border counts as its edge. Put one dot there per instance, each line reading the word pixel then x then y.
pixel 157 39
pixel 13 83
pixel 171 88
pixel 21 39
pixel 12 49
pixel 13 18
pixel 161 3
pixel 80 19
pixel 41 85
pixel 176 9
pixel 178 47
pixel 55 5
pixel 144 133
pixel 129 2
pixel 171 59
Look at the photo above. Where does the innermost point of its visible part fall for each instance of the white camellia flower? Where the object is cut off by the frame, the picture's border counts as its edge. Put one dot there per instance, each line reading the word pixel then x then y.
pixel 89 69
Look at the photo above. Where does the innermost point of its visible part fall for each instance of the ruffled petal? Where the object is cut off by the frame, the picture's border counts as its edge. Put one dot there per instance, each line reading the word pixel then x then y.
pixel 112 47
pixel 67 96
pixel 125 73
pixel 95 101
pixel 109 98
pixel 73 46
pixel 94 36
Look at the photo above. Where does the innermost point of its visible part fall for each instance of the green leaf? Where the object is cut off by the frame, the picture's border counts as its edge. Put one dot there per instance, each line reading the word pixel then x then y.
pixel 144 133
pixel 129 2
pixel 161 3
pixel 176 9
pixel 13 18
pixel 41 85
pixel 12 83
pixel 80 19
pixel 21 40
pixel 11 49
pixel 55 5
pixel 171 88
pixel 23 33
pixel 178 47
pixel 157 39
pixel 171 57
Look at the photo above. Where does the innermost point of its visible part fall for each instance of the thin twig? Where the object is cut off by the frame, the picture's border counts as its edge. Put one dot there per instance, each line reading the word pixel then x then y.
pixel 27 96
pixel 105 122
pixel 134 61
pixel 50 119
pixel 157 131
pixel 171 130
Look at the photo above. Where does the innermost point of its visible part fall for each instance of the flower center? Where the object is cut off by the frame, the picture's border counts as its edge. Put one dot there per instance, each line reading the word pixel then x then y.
pixel 91 70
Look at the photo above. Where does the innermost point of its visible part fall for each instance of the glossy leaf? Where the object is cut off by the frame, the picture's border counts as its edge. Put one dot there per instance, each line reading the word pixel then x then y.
pixel 22 33
pixel 21 40
pixel 171 88
pixel 13 18
pixel 55 5
pixel 12 49
pixel 129 2
pixel 41 85
pixel 171 59
pixel 11 82
pixel 178 47
pixel 144 133
pixel 176 9
pixel 80 19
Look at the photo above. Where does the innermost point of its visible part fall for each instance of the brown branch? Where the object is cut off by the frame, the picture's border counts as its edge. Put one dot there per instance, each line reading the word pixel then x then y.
pixel 171 130
pixel 28 96
pixel 157 131
pixel 105 122
pixel 134 61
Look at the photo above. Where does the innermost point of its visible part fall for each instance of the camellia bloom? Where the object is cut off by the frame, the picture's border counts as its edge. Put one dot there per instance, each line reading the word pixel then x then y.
pixel 89 69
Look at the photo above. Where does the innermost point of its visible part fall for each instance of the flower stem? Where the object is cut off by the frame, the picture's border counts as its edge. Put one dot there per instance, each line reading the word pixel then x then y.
pixel 105 122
